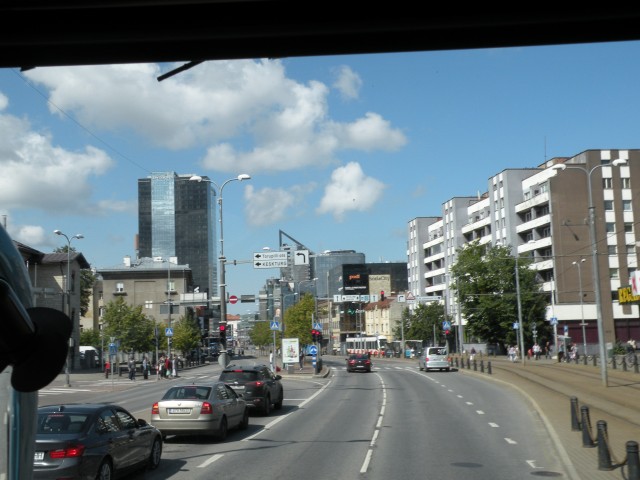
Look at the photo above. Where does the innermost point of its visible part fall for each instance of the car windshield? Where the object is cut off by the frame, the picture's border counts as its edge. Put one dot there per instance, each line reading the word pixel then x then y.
pixel 190 392
pixel 56 423
pixel 239 376
pixel 359 356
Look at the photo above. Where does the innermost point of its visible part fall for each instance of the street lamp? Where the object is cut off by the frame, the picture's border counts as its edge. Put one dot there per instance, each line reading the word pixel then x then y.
pixel 68 288
pixel 222 285
pixel 584 335
pixel 594 254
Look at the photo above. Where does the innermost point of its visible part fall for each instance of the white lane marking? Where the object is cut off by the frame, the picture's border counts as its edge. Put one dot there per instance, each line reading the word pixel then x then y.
pixel 279 419
pixel 459 396
pixel 375 437
pixel 469 403
pixel 479 412
pixel 532 464
pixel 376 431
pixel 367 459
pixel 494 425
pixel 210 460
pixel 510 441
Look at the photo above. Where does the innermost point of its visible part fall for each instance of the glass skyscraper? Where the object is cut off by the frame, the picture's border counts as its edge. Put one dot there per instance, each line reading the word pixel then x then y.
pixel 176 218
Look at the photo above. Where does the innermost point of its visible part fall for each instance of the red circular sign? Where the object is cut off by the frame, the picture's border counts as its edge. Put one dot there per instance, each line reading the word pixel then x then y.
pixel 233 299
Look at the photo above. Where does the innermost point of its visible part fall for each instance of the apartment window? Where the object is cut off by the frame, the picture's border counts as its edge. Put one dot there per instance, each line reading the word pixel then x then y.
pixel 120 287
pixel 546 232
pixel 613 273
pixel 628 227
pixel 527 216
pixel 626 205
pixel 543 188
pixel 528 237
pixel 613 249
pixel 607 183
pixel 148 304
pixel 171 286
pixel 608 205
pixel 610 227
pixel 626 182
pixel 527 195
pixel 631 248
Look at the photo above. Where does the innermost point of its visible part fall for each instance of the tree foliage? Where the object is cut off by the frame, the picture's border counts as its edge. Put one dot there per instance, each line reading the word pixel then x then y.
pixel 484 278
pixel 423 323
pixel 298 319
pixel 91 337
pixel 262 335
pixel 186 333
pixel 133 329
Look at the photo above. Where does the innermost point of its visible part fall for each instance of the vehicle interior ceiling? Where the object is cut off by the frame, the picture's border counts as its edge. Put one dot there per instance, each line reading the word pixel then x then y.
pixel 71 32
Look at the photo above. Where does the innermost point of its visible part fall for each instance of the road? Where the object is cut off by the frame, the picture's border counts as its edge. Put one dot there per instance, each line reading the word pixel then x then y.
pixel 395 422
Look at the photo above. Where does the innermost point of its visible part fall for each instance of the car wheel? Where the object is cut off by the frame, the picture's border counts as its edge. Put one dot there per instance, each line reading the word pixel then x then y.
pixel 105 471
pixel 156 454
pixel 278 404
pixel 267 405
pixel 420 367
pixel 244 424
pixel 223 431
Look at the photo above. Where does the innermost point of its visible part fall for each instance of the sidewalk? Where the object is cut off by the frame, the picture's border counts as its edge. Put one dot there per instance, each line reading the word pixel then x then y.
pixel 550 386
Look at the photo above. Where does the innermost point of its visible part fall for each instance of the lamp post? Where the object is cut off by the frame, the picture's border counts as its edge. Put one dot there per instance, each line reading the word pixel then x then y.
pixel 68 288
pixel 584 334
pixel 520 326
pixel 594 254
pixel 169 292
pixel 222 285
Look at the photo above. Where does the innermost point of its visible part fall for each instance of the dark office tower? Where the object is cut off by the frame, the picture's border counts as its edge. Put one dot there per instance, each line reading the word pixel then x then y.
pixel 176 218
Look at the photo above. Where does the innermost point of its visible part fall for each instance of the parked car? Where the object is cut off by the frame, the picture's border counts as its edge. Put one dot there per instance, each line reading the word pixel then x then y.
pixel 358 362
pixel 434 358
pixel 200 409
pixel 258 385
pixel 92 441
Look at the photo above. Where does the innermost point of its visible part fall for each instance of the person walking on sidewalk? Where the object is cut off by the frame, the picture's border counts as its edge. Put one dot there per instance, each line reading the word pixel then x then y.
pixel 301 359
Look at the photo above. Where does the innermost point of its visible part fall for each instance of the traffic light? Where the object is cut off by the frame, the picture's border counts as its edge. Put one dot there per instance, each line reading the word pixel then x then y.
pixel 223 335
pixel 316 335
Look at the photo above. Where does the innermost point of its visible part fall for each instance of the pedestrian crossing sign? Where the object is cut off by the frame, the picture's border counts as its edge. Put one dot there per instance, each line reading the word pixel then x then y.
pixel 275 325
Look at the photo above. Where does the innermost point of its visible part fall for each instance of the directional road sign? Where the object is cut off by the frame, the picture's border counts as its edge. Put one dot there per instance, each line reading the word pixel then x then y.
pixel 278 263
pixel 270 256
pixel 313 350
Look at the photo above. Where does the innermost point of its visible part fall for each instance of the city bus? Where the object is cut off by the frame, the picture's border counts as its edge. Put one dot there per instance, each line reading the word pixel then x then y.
pixel 411 347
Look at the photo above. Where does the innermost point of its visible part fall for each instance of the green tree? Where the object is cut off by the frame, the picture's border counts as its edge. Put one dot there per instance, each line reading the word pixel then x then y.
pixel 297 319
pixel 91 337
pixel 423 323
pixel 129 325
pixel 261 334
pixel 186 333
pixel 485 285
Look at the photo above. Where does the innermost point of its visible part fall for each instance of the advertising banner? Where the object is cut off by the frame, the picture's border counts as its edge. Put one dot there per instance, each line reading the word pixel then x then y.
pixel 290 350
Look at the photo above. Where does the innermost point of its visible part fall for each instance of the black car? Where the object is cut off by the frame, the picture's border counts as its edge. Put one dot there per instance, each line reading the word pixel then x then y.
pixel 358 362
pixel 258 385
pixel 92 441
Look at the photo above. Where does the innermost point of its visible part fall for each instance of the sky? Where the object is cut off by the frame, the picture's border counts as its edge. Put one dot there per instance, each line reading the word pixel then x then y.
pixel 343 151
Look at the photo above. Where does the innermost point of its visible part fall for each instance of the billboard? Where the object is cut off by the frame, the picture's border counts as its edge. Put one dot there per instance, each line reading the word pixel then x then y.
pixel 355 279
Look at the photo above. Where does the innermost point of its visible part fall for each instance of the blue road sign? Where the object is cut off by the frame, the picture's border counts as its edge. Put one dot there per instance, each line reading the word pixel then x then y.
pixel 168 332
pixel 275 325
pixel 446 325
pixel 313 350
pixel 317 326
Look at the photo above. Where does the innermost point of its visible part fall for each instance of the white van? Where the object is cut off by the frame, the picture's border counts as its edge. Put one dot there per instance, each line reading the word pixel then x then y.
pixel 93 352
pixel 434 358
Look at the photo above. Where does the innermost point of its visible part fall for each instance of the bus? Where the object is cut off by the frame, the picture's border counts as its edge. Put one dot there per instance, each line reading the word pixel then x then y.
pixel 375 346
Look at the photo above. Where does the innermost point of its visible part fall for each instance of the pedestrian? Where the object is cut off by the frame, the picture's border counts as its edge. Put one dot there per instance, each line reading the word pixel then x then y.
pixel 301 359
pixel 547 350
pixel 132 369
pixel 536 351
pixel 174 367
pixel 107 368
pixel 472 353
pixel 145 368
pixel 167 367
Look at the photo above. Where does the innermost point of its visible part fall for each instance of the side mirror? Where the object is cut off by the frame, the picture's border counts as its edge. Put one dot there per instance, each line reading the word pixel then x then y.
pixel 142 422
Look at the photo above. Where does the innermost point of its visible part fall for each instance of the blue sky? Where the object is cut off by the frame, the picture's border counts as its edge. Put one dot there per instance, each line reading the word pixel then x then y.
pixel 343 151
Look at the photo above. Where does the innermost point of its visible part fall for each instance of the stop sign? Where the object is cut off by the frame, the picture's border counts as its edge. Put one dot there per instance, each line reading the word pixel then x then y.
pixel 233 299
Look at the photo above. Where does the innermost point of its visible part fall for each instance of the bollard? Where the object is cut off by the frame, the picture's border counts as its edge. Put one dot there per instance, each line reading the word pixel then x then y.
pixel 456 362
pixel 633 462
pixel 635 364
pixel 475 366
pixel 604 456
pixel 613 362
pixel 489 367
pixel 481 366
pixel 468 364
pixel 575 423
pixel 595 361
pixel 624 365
pixel 587 441
pixel 584 359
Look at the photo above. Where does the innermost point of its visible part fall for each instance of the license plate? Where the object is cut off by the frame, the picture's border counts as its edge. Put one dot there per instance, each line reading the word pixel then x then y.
pixel 179 410
pixel 237 387
pixel 39 456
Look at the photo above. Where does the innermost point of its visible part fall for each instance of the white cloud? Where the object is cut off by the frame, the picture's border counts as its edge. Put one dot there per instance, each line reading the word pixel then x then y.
pixel 348 82
pixel 272 205
pixel 249 114
pixel 350 190
pixel 30 235
pixel 37 174
pixel 4 102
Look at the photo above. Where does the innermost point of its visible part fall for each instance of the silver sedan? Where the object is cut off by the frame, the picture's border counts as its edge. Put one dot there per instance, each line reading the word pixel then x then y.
pixel 200 409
